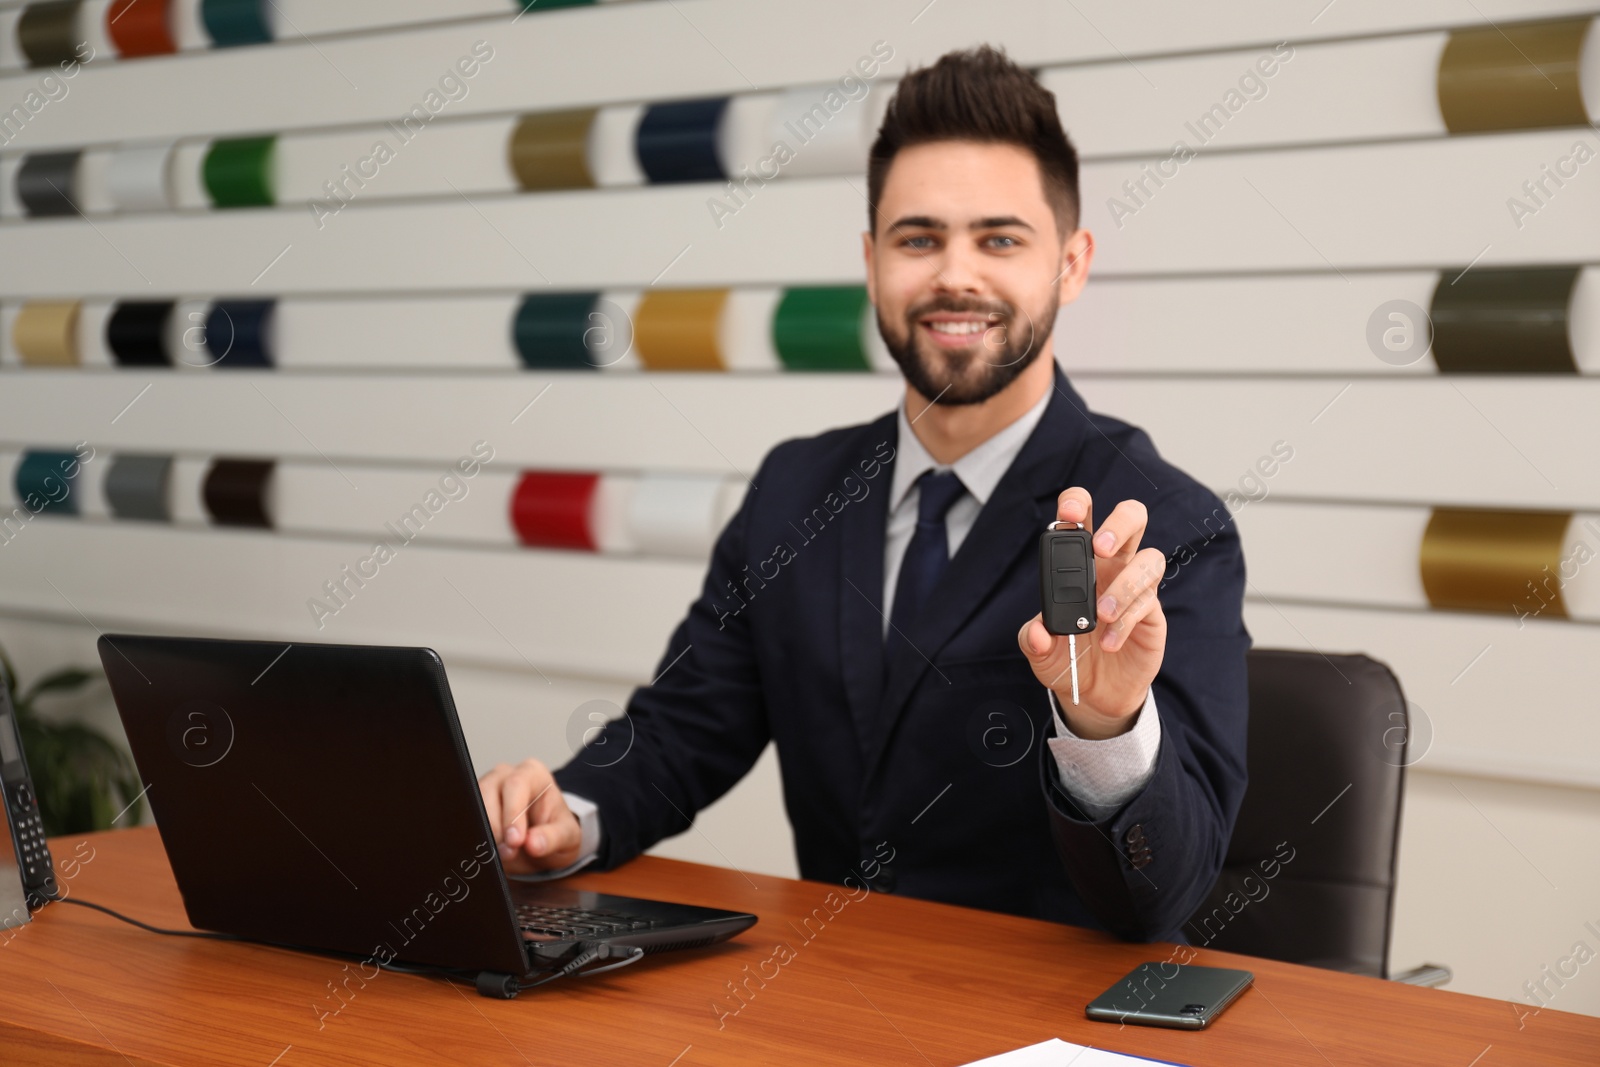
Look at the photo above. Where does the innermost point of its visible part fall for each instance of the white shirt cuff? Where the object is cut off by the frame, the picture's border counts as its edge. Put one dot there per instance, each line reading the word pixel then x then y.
pixel 1103 775
pixel 588 813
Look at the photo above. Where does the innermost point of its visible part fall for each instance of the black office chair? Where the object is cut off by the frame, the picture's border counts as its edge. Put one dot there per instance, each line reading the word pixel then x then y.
pixel 1310 871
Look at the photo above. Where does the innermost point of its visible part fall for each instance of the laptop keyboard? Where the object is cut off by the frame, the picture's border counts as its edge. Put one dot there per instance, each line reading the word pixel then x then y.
pixel 542 923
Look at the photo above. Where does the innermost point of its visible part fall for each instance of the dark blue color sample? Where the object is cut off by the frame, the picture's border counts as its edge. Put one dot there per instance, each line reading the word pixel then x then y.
pixel 678 142
pixel 239 333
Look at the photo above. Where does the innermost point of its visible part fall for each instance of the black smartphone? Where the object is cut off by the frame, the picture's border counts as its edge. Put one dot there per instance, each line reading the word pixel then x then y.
pixel 1182 996
pixel 22 809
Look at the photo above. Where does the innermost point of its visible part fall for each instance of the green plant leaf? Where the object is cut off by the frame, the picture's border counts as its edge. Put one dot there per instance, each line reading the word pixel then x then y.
pixel 64 680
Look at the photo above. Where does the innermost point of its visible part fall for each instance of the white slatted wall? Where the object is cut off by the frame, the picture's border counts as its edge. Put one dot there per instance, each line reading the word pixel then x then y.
pixel 1229 314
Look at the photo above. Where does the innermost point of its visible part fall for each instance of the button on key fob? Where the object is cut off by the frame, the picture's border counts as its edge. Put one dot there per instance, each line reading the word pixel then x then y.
pixel 1066 586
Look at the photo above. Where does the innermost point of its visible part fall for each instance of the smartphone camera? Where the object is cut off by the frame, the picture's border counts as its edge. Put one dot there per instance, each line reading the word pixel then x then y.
pixel 1192 1009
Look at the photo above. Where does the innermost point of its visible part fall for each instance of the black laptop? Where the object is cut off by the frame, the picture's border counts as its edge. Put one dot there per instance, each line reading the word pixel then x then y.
pixel 321 797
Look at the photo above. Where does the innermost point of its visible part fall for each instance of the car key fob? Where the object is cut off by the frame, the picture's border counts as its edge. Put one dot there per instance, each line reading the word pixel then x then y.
pixel 1066 586
pixel 1066 579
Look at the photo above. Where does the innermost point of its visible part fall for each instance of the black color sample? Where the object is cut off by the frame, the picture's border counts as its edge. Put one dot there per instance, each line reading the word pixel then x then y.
pixel 136 333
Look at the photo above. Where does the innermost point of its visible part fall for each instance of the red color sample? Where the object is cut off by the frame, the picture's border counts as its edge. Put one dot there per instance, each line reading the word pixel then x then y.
pixel 140 27
pixel 550 509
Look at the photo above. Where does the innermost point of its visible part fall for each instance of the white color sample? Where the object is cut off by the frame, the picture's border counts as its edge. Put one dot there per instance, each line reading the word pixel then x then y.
pixel 612 157
pixel 744 329
pixel 139 178
pixel 743 139
pixel 609 509
pixel 827 131
pixel 1583 316
pixel 186 177
pixel 187 485
pixel 676 514
pixel 609 337
pixel 93 351
pixel 89 487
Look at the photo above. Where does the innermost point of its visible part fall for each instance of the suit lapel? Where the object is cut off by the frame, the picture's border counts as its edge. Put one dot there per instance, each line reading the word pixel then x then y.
pixel 860 592
pixel 1010 522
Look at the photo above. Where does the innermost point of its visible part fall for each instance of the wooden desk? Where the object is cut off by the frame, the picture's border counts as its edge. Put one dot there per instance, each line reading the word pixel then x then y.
pixel 886 980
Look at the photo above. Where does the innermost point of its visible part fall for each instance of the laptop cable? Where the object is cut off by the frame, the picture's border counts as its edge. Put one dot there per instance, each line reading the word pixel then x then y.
pixel 488 983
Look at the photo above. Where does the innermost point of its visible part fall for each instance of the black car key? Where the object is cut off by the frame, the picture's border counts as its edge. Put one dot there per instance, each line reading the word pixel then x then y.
pixel 1066 585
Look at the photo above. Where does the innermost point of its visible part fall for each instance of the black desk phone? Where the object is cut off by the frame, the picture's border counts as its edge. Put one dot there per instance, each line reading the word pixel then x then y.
pixel 22 810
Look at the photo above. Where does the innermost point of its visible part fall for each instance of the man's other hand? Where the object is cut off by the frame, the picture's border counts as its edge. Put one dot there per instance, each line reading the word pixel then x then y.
pixel 533 827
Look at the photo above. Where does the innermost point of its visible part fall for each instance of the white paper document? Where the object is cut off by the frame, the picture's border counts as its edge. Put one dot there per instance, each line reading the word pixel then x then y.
pixel 1059 1053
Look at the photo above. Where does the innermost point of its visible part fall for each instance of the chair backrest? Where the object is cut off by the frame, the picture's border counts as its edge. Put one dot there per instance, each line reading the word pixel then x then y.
pixel 1310 871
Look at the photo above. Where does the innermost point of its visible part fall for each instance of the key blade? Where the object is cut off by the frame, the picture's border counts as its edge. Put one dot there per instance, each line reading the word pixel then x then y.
pixel 1072 651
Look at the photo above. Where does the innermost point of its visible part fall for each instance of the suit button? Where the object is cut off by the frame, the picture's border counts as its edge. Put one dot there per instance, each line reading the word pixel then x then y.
pixel 883 881
pixel 1135 835
pixel 1140 860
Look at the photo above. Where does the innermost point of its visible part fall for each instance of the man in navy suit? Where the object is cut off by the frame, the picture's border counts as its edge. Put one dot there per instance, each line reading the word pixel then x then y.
pixel 872 608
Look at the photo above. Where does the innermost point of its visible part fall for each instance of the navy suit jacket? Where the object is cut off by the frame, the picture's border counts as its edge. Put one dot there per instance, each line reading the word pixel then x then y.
pixel 930 775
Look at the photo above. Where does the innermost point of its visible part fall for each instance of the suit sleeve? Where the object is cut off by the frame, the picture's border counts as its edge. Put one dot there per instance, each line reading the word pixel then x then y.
pixel 1143 869
pixel 688 736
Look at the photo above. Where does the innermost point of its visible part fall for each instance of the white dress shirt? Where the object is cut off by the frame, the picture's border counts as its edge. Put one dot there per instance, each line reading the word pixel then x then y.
pixel 1100 775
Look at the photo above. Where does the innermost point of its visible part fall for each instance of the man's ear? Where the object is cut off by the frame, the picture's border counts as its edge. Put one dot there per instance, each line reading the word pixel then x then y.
pixel 1076 254
pixel 866 256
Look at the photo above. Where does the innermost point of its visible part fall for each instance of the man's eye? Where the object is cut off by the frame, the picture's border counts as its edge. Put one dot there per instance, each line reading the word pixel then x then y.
pixel 920 241
pixel 1010 242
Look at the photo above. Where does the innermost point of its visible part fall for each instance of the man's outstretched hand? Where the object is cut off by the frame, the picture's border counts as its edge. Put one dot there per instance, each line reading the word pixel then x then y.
pixel 1120 658
pixel 533 827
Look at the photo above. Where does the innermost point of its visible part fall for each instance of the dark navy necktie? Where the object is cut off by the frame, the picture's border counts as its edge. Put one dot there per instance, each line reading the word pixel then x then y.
pixel 926 556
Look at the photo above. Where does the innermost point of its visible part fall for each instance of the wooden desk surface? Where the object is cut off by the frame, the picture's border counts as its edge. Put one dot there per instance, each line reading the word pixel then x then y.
pixel 879 980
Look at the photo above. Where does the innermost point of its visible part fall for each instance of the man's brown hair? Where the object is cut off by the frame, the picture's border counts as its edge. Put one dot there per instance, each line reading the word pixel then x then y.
pixel 978 95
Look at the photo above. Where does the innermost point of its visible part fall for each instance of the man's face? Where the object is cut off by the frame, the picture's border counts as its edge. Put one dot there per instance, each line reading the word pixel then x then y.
pixel 966 267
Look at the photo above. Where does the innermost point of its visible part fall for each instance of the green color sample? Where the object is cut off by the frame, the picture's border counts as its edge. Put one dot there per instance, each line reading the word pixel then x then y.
pixel 819 328
pixel 45 482
pixel 549 331
pixel 238 172
pixel 236 22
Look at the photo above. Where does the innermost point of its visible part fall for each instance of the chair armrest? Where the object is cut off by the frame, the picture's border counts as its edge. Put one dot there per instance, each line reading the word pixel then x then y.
pixel 1431 975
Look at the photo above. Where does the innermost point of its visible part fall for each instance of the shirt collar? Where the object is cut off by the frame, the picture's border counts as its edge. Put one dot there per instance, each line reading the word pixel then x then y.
pixel 980 470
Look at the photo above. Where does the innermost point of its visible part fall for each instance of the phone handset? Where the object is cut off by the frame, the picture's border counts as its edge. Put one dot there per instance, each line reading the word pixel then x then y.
pixel 22 807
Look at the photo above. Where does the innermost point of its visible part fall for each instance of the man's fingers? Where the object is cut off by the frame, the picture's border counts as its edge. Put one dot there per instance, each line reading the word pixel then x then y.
pixel 1033 637
pixel 1120 534
pixel 518 794
pixel 1049 654
pixel 1075 505
pixel 551 837
pixel 489 786
pixel 1130 597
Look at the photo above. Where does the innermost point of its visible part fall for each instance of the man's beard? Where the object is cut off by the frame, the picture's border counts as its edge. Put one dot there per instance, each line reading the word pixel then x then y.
pixel 984 369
